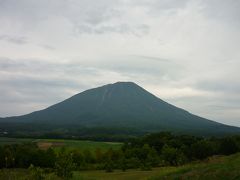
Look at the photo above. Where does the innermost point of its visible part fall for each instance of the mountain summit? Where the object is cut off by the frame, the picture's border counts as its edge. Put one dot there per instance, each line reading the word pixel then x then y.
pixel 125 105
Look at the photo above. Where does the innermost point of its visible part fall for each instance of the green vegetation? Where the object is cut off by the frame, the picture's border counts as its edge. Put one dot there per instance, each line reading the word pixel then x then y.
pixel 214 168
pixel 172 155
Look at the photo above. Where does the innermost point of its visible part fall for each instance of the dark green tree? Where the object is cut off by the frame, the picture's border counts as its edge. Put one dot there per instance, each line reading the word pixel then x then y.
pixel 64 165
pixel 109 165
pixel 229 145
pixel 169 155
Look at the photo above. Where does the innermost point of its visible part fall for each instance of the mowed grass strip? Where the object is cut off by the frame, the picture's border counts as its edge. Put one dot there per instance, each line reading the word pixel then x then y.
pixel 8 141
pixel 132 174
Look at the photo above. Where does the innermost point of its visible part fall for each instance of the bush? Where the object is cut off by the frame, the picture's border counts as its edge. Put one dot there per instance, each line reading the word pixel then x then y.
pixel 37 173
pixel 109 166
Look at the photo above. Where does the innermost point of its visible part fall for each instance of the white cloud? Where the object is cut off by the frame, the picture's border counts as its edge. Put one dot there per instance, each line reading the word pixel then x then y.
pixel 186 52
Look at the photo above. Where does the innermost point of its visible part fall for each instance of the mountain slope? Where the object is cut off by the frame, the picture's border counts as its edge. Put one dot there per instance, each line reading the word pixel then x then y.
pixel 123 104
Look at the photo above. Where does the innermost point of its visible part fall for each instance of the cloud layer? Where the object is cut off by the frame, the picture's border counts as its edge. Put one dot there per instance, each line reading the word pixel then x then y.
pixel 185 52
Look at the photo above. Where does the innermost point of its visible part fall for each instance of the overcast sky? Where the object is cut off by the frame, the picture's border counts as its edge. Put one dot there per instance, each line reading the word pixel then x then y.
pixel 186 52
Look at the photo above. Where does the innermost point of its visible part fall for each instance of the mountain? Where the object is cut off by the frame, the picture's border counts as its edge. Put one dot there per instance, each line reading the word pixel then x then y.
pixel 122 105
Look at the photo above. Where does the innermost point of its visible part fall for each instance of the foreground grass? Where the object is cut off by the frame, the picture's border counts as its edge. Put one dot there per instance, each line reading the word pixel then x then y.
pixel 23 174
pixel 225 168
pixel 132 174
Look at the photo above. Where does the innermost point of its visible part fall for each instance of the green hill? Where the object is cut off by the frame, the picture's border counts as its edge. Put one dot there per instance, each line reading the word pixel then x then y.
pixel 122 105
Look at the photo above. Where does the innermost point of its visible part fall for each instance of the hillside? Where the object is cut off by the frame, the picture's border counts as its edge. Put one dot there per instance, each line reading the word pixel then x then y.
pixel 122 105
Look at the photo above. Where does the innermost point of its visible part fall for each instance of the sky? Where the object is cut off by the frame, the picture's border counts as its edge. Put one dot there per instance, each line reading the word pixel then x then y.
pixel 186 52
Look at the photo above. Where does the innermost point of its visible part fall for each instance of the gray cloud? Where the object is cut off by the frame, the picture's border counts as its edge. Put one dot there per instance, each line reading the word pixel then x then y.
pixel 222 85
pixel 222 10
pixel 48 47
pixel 86 17
pixel 83 14
pixel 31 80
pixel 13 39
pixel 159 5
pixel 138 30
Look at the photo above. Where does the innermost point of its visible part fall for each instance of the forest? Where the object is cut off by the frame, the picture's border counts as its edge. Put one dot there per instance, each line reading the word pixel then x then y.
pixel 152 150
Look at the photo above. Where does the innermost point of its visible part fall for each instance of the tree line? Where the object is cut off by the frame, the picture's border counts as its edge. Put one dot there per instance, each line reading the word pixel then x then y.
pixel 153 150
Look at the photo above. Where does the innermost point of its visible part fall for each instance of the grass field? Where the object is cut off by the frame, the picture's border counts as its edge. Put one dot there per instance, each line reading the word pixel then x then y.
pixel 79 144
pixel 223 168
pixel 68 144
